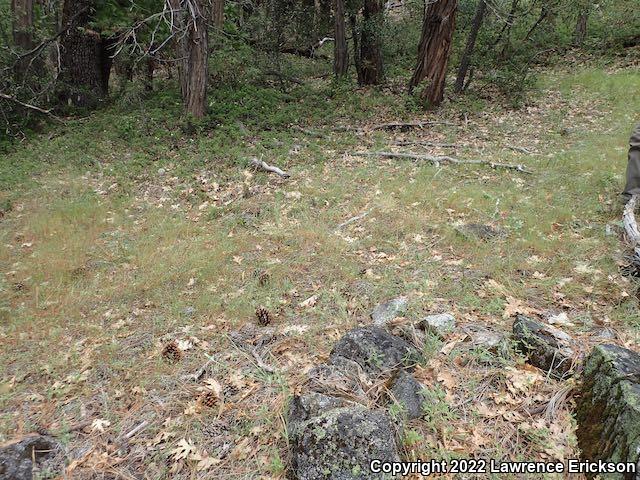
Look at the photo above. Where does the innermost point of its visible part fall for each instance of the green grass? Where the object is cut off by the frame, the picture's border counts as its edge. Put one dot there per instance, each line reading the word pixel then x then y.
pixel 105 259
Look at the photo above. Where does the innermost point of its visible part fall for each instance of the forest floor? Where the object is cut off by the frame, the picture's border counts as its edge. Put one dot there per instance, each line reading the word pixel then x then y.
pixel 121 234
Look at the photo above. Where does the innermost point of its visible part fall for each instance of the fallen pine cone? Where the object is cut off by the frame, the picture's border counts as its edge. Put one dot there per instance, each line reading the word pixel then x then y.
pixel 263 316
pixel 171 351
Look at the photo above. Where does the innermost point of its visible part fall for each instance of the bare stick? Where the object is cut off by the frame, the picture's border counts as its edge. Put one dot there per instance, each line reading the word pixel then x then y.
pixel 426 144
pixel 260 165
pixel 408 125
pixel 353 219
pixel 435 160
pixel 136 430
pixel 29 106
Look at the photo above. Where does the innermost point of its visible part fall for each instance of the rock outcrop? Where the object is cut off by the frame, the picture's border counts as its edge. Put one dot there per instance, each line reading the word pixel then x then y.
pixel 608 410
pixel 19 457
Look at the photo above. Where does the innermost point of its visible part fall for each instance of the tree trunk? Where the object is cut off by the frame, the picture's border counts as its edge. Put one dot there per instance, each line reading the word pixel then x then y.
pixel 433 52
pixel 471 43
pixel 85 57
pixel 340 51
pixel 353 22
pixel 217 14
pixel 370 43
pixel 580 34
pixel 190 30
pixel 22 25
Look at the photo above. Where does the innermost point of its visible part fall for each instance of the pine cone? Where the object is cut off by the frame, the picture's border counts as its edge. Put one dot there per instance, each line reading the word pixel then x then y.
pixel 171 351
pixel 208 399
pixel 263 278
pixel 263 316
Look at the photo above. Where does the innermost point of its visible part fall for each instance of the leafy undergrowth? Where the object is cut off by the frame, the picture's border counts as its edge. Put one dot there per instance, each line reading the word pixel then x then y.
pixel 129 291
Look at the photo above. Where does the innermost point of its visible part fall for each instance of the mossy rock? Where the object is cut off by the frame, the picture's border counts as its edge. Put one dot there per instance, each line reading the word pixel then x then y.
pixel 608 411
pixel 340 444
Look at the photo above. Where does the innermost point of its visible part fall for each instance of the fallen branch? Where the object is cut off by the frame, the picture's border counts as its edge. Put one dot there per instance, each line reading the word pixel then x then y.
pixel 426 144
pixel 353 219
pixel 409 125
pixel 260 165
pixel 437 160
pixel 631 227
pixel 261 363
pixel 29 106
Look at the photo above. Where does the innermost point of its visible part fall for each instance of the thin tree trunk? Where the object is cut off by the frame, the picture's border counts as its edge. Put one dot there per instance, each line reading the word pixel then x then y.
pixel 190 30
pixel 434 48
pixel 370 42
pixel 85 57
pixel 580 34
pixel 353 21
pixel 465 61
pixel 22 23
pixel 340 50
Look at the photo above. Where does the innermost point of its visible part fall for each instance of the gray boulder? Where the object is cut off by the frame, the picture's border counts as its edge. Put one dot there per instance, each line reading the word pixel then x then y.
pixel 440 324
pixel 375 350
pixel 545 347
pixel 387 311
pixel 608 409
pixel 19 457
pixel 406 391
pixel 340 444
pixel 307 406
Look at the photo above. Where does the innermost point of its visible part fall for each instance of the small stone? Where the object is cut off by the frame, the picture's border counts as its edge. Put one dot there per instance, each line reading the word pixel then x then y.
pixel 161 171
pixel 17 457
pixel 439 324
pixel 387 311
pixel 407 392
pixel 560 319
pixel 375 350
pixel 486 339
pixel 188 311
pixel 608 408
pixel 340 444
pixel 545 347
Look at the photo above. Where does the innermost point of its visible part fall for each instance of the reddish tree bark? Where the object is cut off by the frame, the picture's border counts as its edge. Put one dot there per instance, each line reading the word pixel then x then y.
pixel 190 30
pixel 434 49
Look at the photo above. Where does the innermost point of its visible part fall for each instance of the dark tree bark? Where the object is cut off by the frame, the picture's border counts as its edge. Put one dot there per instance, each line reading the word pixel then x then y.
pixel 85 57
pixel 190 30
pixel 465 61
pixel 580 34
pixel 434 49
pixel 340 51
pixel 22 23
pixel 353 22
pixel 370 43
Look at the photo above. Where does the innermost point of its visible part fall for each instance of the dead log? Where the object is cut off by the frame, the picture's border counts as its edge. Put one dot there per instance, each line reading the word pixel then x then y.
pixel 631 229
pixel 437 160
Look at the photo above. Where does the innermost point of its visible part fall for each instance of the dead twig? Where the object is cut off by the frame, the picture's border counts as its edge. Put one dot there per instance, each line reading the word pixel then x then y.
pixel 437 160
pixel 253 354
pixel 409 125
pixel 137 429
pixel 426 144
pixel 260 165
pixel 29 106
